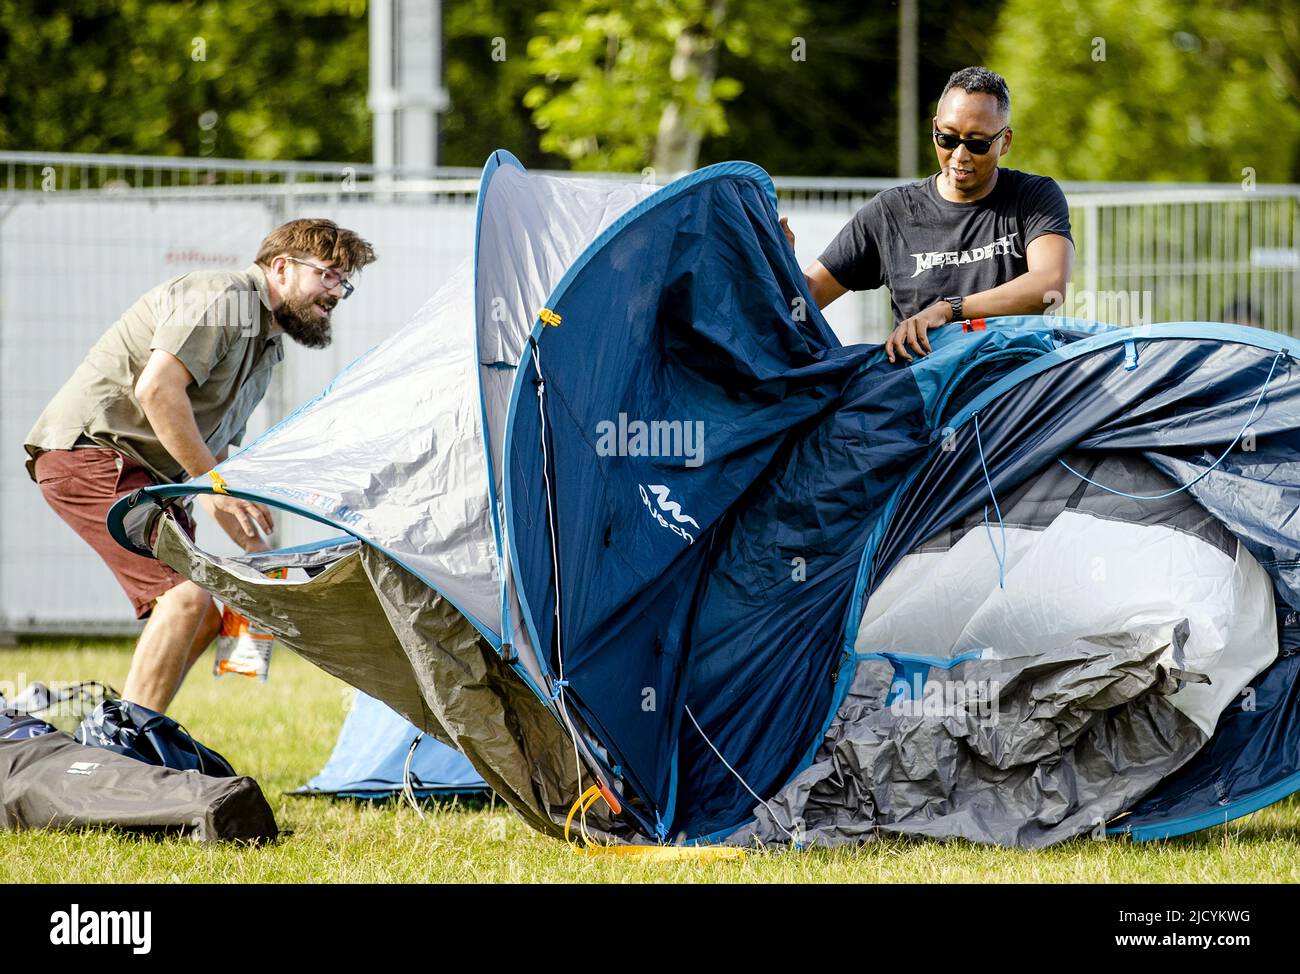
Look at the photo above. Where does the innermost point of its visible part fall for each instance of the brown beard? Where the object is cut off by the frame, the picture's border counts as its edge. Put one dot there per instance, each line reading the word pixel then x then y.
pixel 298 319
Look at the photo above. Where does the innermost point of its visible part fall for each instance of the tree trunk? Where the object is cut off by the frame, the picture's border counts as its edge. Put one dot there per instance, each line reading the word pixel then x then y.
pixel 695 55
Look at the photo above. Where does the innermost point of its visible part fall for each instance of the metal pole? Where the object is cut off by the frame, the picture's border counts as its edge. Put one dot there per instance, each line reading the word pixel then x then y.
pixel 7 637
pixel 907 95
pixel 418 76
pixel 382 99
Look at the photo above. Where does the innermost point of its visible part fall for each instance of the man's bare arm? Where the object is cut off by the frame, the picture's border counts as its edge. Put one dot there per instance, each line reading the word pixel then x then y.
pixel 1051 262
pixel 161 393
pixel 822 284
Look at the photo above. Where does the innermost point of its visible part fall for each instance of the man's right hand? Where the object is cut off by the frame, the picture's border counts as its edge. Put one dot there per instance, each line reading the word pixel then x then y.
pixel 912 331
pixel 240 519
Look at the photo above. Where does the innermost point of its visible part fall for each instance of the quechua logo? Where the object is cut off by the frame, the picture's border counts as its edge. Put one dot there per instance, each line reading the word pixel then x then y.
pixel 663 505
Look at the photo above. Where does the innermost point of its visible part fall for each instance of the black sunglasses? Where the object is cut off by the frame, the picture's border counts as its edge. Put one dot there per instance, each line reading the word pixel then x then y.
pixel 977 146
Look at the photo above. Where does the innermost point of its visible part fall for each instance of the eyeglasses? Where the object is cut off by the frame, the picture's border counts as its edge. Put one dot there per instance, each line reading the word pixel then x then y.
pixel 329 276
pixel 977 146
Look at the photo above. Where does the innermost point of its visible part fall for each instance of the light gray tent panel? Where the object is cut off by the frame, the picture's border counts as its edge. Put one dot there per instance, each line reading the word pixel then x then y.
pixel 373 624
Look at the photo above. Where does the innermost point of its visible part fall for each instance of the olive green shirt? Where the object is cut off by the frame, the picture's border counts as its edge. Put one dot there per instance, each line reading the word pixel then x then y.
pixel 217 323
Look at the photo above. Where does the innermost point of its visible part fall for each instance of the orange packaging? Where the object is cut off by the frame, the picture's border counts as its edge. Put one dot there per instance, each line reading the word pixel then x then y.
pixel 242 648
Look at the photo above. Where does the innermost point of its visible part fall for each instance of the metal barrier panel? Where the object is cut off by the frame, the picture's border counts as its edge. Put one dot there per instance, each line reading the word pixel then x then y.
pixel 68 267
pixel 1200 256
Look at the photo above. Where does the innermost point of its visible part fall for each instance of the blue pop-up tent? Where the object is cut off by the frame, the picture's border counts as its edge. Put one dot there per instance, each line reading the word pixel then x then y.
pixel 379 754
pixel 619 509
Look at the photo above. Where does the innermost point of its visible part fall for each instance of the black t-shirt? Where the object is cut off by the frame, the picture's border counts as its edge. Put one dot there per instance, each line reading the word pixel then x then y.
pixel 925 248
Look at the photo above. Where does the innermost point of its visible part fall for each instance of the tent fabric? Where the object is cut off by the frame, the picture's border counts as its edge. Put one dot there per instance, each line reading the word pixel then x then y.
pixel 484 708
pixel 756 387
pixel 1033 740
pixel 371 623
pixel 334 619
pixel 1070 739
pixel 621 503
pixel 531 230
pixel 1249 763
pixel 1080 560
pixel 370 759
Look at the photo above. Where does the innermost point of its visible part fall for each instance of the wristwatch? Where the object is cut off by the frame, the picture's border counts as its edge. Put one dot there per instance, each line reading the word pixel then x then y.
pixel 956 307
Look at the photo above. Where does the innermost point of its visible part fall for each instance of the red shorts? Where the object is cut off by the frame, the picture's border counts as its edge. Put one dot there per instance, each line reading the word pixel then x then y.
pixel 81 485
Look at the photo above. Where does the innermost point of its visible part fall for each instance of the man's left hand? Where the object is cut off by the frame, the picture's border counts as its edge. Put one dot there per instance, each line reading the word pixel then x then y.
pixel 240 519
pixel 785 228
pixel 911 332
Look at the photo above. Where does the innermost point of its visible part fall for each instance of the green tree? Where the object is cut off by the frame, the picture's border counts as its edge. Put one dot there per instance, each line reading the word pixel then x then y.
pixel 1197 90
pixel 279 79
pixel 487 73
pixel 829 107
pixel 636 83
pixel 800 88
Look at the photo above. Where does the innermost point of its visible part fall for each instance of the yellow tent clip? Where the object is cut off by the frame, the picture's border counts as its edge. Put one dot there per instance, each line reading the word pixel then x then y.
pixel 549 317
pixel 218 484
pixel 656 853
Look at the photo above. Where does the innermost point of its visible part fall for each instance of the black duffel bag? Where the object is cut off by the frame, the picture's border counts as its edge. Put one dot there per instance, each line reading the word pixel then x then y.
pixel 146 735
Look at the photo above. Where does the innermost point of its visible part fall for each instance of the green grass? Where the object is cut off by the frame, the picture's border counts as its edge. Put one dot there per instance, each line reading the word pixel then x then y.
pixel 281 733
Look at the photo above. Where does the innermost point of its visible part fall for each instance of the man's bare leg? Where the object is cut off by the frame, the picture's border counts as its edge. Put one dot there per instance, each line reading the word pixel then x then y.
pixel 209 628
pixel 181 617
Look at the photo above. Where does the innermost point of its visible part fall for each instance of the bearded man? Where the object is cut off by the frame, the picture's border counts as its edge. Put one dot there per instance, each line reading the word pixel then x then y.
pixel 162 397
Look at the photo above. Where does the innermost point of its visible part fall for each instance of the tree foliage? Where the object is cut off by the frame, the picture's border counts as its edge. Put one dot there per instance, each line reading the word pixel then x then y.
pixel 279 79
pixel 835 111
pixel 606 73
pixel 802 87
pixel 1188 89
pixel 487 74
pixel 1163 90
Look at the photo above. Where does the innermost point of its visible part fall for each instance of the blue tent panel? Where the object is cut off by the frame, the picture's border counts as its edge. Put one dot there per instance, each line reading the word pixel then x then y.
pixel 371 752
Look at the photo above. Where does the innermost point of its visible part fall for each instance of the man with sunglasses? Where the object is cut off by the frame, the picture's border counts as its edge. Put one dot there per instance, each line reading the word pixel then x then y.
pixel 972 241
pixel 161 397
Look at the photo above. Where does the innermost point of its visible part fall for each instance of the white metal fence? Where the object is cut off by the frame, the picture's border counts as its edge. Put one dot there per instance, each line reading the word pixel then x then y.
pixel 69 265
pixel 81 237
